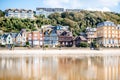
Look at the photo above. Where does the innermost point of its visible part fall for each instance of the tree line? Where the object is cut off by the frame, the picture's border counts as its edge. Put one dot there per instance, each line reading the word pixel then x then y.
pixel 78 21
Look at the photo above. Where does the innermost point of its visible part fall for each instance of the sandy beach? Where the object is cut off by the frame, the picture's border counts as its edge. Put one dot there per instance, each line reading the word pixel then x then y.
pixel 63 52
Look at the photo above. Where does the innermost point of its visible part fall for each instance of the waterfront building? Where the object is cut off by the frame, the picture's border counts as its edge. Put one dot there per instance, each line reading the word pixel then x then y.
pixel 108 34
pixel 78 40
pixel 20 38
pixel 35 38
pixel 19 13
pixel 91 34
pixel 47 11
pixel 7 39
pixel 51 38
pixel 65 38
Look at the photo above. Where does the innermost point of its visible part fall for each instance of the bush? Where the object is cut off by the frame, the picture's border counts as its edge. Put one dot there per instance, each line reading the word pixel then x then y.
pixel 95 45
pixel 3 45
pixel 83 44
pixel 46 46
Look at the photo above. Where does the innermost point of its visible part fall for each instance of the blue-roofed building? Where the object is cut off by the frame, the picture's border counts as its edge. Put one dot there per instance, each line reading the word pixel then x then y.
pixel 59 27
pixel 7 39
pixel 106 23
pixel 108 34
pixel 20 38
pixel 50 38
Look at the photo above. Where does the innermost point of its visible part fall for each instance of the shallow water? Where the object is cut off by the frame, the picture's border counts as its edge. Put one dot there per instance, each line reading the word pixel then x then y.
pixel 60 68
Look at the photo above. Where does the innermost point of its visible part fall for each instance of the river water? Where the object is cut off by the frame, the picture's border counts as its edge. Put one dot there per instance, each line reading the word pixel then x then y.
pixel 60 68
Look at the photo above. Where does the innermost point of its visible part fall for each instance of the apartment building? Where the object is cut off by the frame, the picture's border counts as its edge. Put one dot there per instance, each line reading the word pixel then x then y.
pixel 73 10
pixel 35 38
pixel 108 34
pixel 47 11
pixel 19 13
pixel 91 34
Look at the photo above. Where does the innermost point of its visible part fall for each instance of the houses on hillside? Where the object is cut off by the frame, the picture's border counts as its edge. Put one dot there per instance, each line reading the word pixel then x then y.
pixel 106 34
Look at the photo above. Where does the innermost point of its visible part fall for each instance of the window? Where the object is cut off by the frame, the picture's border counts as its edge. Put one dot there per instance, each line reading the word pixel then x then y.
pixel 113 41
pixel 30 34
pixel 35 35
pixel 113 36
pixel 29 38
pixel 35 38
pixel 109 41
pixel 109 36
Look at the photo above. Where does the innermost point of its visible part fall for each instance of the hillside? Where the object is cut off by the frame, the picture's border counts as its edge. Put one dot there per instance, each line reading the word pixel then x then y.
pixel 77 21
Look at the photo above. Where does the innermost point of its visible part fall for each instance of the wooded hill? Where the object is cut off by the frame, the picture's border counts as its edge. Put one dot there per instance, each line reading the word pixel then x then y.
pixel 77 21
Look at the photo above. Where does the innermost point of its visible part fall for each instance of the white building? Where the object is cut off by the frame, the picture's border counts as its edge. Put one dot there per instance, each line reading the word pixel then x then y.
pixel 47 11
pixel 6 39
pixel 19 13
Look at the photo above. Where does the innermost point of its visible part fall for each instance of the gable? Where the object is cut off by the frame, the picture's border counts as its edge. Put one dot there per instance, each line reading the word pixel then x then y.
pixel 8 37
pixel 18 35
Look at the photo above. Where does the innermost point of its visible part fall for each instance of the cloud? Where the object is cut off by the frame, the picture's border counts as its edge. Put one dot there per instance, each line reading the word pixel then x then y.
pixel 109 3
pixel 99 9
pixel 102 5
pixel 62 3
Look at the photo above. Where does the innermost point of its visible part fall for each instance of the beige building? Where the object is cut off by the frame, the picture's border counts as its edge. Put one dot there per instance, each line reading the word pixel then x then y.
pixel 108 34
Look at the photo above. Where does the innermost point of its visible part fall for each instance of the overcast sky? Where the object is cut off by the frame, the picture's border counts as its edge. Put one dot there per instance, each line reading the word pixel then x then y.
pixel 102 5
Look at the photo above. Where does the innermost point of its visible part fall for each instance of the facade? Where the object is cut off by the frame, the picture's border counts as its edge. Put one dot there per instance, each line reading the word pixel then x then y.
pixel 19 13
pixel 118 29
pixel 65 41
pixel 108 34
pixel 6 39
pixel 35 38
pixel 48 11
pixel 65 38
pixel 91 34
pixel 51 38
pixel 20 38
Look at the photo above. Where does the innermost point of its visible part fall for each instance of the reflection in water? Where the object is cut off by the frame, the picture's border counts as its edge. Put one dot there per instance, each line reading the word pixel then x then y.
pixel 60 68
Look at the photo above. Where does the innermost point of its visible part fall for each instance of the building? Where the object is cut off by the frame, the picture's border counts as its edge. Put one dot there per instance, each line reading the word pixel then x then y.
pixel 35 38
pixel 59 27
pixel 78 40
pixel 7 40
pixel 91 34
pixel 108 34
pixel 48 11
pixel 20 38
pixel 65 38
pixel 19 13
pixel 118 28
pixel 51 38
pixel 73 10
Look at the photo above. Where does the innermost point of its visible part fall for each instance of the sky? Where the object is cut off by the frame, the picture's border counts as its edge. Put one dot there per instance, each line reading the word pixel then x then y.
pixel 99 5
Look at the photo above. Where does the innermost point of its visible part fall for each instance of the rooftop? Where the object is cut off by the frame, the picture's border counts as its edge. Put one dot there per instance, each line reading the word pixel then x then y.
pixel 106 23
